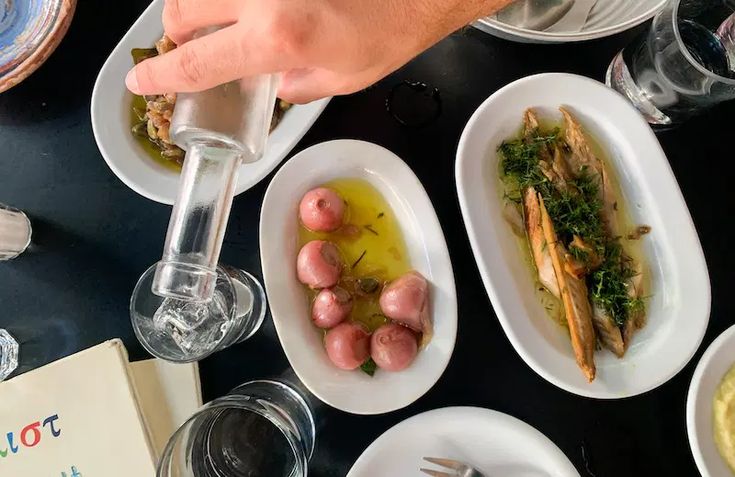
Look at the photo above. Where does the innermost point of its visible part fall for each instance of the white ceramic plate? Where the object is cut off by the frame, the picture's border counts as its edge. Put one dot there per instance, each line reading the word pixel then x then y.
pixel 494 443
pixel 678 310
pixel 715 362
pixel 608 17
pixel 354 391
pixel 111 122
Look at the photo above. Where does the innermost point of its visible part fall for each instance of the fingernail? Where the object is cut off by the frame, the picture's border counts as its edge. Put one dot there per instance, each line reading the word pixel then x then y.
pixel 131 81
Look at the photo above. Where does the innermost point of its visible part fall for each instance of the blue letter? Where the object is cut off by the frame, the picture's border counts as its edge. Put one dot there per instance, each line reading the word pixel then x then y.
pixel 50 421
pixel 10 441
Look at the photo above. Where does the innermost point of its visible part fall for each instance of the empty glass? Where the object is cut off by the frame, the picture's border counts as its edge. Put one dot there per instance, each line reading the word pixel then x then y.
pixel 184 331
pixel 683 65
pixel 262 428
pixel 15 232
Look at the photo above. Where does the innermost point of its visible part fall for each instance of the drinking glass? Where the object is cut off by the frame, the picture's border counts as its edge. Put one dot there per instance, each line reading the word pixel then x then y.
pixel 683 65
pixel 183 331
pixel 15 232
pixel 8 354
pixel 261 428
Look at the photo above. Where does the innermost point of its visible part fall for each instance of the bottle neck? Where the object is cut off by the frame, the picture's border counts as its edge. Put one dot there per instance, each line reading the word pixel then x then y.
pixel 188 269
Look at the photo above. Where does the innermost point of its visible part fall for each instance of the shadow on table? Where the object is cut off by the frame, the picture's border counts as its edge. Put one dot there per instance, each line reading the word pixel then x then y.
pixel 70 277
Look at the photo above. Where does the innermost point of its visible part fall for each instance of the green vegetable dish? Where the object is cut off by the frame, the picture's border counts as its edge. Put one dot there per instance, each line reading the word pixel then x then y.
pixel 562 200
pixel 150 116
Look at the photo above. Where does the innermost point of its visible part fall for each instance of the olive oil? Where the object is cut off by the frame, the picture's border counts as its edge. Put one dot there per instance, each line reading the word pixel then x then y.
pixel 150 149
pixel 371 245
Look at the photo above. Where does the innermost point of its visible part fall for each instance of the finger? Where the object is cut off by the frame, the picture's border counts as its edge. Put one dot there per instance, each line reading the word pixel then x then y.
pixel 181 18
pixel 306 85
pixel 201 64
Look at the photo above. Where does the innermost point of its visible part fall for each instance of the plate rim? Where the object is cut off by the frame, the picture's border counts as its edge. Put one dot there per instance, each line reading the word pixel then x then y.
pixel 573 36
pixel 518 342
pixel 694 397
pixel 452 412
pixel 44 50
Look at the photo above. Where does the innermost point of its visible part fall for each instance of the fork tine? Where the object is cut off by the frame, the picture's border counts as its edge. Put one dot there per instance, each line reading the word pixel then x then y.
pixel 435 473
pixel 448 463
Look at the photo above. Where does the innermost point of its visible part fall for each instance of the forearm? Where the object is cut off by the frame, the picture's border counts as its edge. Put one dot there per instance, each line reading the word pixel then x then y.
pixel 442 17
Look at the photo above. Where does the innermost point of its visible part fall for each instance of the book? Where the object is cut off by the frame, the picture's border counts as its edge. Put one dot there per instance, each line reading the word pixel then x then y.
pixel 177 385
pixel 93 414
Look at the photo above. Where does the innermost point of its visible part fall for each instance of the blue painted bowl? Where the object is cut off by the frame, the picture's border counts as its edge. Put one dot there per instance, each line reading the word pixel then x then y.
pixel 30 30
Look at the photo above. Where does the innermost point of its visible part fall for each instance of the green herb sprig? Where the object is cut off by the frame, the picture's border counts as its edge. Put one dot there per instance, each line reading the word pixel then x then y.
pixel 369 367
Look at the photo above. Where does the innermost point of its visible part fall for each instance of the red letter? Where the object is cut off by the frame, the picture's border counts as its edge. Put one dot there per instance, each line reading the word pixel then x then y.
pixel 36 434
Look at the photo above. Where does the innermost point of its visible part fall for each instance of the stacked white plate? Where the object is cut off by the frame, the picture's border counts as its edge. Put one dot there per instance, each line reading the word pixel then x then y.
pixel 606 18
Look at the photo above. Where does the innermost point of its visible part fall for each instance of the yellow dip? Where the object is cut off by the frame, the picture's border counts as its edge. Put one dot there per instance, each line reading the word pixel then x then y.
pixel 724 418
pixel 371 245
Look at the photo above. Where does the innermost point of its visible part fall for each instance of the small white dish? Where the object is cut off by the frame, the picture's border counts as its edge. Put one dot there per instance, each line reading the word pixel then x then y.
pixel 127 159
pixel 608 17
pixel 678 309
pixel 494 443
pixel 715 363
pixel 354 391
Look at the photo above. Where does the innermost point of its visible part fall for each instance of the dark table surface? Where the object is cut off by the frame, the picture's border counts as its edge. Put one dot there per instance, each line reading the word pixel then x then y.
pixel 93 237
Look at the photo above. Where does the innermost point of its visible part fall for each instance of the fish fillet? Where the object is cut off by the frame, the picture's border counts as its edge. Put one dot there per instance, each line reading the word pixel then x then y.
pixel 574 297
pixel 537 242
pixel 582 157
pixel 560 165
pixel 636 320
pixel 608 331
pixel 583 161
pixel 531 126
pixel 530 122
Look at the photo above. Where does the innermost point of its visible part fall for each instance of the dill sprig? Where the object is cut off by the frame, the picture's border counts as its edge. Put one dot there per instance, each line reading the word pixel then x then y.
pixel 575 210
pixel 522 156
pixel 609 285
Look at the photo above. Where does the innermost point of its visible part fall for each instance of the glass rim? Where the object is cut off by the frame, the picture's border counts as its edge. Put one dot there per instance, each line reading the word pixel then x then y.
pixel 229 401
pixel 688 55
pixel 30 230
pixel 136 329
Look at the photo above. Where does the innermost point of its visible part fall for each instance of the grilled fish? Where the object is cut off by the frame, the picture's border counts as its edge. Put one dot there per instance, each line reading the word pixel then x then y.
pixel 583 160
pixel 638 319
pixel 608 331
pixel 574 297
pixel 537 242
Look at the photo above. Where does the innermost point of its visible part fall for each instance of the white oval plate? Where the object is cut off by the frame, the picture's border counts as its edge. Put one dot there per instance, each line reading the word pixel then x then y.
pixel 715 362
pixel 608 17
pixel 354 391
pixel 111 122
pixel 494 443
pixel 678 310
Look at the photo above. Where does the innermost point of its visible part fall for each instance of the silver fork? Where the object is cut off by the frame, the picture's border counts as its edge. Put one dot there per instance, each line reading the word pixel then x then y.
pixel 458 469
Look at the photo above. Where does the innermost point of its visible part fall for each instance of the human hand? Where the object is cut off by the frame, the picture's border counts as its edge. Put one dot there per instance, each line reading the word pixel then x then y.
pixel 321 47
